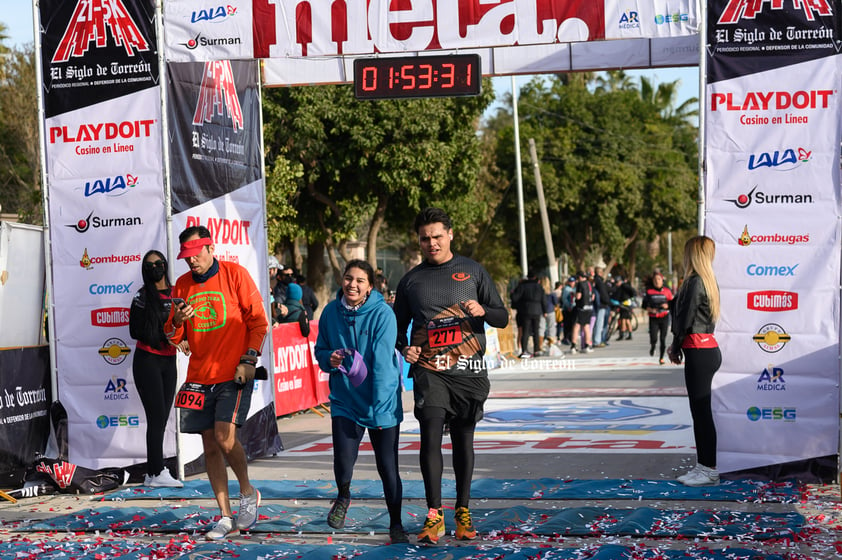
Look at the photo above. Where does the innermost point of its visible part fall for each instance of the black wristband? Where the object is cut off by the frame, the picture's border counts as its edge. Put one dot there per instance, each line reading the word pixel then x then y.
pixel 245 360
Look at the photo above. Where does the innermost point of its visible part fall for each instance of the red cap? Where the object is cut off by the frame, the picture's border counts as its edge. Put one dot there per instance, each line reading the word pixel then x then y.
pixel 193 247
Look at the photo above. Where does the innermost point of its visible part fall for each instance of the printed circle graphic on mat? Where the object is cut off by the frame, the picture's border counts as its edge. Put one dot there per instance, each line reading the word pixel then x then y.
pixel 114 351
pixel 771 337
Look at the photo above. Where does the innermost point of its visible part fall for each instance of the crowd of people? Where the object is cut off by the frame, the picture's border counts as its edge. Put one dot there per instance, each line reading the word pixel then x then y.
pixel 214 314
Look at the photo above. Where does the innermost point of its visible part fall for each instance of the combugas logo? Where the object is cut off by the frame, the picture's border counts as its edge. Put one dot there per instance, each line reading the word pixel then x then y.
pixel 760 197
pixel 92 22
pixel 736 10
pixel 218 95
pixel 771 338
pixel 745 239
pixel 114 351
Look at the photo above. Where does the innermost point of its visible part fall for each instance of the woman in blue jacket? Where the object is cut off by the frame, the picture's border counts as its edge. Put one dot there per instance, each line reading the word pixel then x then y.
pixel 356 344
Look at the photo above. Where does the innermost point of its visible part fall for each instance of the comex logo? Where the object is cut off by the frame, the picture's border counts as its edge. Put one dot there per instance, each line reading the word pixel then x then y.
pixel 90 22
pixel 771 338
pixel 104 422
pixel 745 200
pixel 777 413
pixel 771 379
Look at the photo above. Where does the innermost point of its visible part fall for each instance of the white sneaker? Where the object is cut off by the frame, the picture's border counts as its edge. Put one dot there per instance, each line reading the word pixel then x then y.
pixel 701 476
pixel 247 514
pixel 162 480
pixel 691 473
pixel 223 528
pixel 588 349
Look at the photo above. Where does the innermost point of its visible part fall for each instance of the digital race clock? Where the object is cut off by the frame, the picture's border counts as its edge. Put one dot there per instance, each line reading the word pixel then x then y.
pixel 417 76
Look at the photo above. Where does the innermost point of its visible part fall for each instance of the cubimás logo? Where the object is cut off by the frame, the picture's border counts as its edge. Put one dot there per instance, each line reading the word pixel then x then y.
pixel 745 200
pixel 104 421
pixel 110 186
pixel 629 20
pixel 116 389
pixel 745 239
pixel 739 9
pixel 772 301
pixel 756 413
pixel 771 379
pixel 114 351
pixel 215 15
pixel 787 159
pixel 771 338
pixel 91 21
pixel 96 222
pixel 217 94
pixel 110 317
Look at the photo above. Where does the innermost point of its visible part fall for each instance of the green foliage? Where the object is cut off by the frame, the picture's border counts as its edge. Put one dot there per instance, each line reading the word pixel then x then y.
pixel 617 166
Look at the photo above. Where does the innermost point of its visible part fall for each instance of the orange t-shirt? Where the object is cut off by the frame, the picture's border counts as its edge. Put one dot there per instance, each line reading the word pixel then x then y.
pixel 229 319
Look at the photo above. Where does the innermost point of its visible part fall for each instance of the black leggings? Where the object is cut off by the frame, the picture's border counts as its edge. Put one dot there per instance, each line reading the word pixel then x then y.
pixel 432 464
pixel 154 376
pixel 531 328
pixel 700 364
pixel 658 326
pixel 347 436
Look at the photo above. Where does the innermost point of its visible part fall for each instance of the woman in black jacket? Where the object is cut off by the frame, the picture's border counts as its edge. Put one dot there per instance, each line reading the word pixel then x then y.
pixel 693 323
pixel 153 367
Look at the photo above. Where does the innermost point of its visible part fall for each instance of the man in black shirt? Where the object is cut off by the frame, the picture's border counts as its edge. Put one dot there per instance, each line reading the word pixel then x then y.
pixel 448 298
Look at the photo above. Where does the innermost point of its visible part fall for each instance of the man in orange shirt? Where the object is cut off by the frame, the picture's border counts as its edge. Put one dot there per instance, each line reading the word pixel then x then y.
pixel 223 319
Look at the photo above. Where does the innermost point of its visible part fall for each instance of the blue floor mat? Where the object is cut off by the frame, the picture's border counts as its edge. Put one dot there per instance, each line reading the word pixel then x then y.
pixel 126 550
pixel 583 522
pixel 545 488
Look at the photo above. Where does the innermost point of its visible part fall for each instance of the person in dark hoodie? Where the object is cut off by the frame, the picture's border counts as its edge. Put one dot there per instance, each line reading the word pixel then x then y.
pixel 356 345
pixel 528 299
pixel 153 365
pixel 293 305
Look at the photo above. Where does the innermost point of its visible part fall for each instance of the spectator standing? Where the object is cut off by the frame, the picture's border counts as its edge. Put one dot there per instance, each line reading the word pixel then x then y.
pixel 153 366
pixel 558 312
pixel 623 293
pixel 448 299
pixel 356 345
pixel 603 308
pixel 568 302
pixel 696 313
pixel 308 297
pixel 295 309
pixel 656 303
pixel 547 320
pixel 584 299
pixel 223 319
pixel 529 301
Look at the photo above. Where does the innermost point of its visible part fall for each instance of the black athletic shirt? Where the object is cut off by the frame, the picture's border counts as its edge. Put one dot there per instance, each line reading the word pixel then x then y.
pixel 431 297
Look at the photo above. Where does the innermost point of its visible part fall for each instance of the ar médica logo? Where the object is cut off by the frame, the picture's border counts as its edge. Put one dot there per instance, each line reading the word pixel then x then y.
pixel 91 22
pixel 217 94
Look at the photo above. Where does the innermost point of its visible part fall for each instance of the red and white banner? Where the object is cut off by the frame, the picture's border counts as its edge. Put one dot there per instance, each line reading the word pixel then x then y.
pixel 773 208
pixel 299 382
pixel 308 41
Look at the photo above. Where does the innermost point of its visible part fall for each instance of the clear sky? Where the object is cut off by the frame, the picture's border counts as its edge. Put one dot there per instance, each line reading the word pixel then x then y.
pixel 17 15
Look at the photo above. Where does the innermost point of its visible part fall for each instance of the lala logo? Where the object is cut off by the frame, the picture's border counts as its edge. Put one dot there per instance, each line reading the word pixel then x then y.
pixel 91 21
pixel 748 9
pixel 216 15
pixel 779 158
pixel 218 93
pixel 460 276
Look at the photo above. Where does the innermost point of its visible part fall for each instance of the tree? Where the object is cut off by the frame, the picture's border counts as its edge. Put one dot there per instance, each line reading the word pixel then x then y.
pixel 20 179
pixel 614 170
pixel 364 164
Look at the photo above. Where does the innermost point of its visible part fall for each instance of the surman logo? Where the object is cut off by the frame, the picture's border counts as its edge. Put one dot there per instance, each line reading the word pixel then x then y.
pixel 218 93
pixel 748 9
pixel 91 21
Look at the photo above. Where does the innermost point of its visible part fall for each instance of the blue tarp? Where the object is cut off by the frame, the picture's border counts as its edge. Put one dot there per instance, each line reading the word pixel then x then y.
pixel 744 490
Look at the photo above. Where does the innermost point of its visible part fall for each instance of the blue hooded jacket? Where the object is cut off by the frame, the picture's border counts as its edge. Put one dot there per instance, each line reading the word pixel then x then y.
pixel 372 331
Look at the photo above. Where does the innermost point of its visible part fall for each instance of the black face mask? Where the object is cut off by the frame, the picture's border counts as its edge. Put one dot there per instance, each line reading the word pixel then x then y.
pixel 286 278
pixel 154 271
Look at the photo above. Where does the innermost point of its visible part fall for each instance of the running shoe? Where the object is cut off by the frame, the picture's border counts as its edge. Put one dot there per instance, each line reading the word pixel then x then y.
pixel 247 514
pixel 223 528
pixel 433 527
pixel 337 513
pixel 465 530
pixel 398 535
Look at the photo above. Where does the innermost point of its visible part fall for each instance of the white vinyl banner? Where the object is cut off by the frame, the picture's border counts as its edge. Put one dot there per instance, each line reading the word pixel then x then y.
pixel 106 207
pixel 773 208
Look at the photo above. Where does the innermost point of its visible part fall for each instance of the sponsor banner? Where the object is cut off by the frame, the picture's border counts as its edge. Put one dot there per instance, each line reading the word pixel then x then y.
pixel 659 18
pixel 214 130
pixel 96 50
pixel 208 29
pixel 772 201
pixel 24 405
pixel 299 382
pixel 564 425
pixel 748 37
